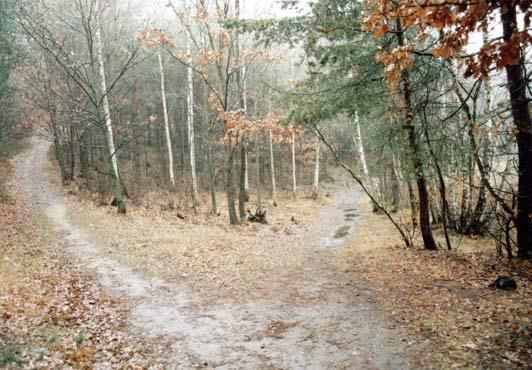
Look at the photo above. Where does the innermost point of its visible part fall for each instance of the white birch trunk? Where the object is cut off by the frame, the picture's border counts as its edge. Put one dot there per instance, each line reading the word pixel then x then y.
pixel 190 122
pixel 107 112
pixel 245 100
pixel 272 168
pixel 487 89
pixel 103 89
pixel 166 123
pixel 316 180
pixel 360 149
pixel 372 184
pixel 294 181
pixel 246 176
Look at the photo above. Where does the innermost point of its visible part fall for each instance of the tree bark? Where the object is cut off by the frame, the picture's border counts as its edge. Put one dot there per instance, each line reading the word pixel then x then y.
pixel 441 181
pixel 316 179
pixel 423 196
pixel 272 167
pixel 84 148
pixel 212 182
pixel 108 128
pixel 357 138
pixel 243 194
pixel 230 187
pixel 395 185
pixel 294 180
pixel 523 126
pixel 190 123
pixel 166 123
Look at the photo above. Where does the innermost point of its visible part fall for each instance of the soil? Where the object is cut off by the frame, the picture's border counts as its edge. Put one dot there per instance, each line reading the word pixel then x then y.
pixel 320 320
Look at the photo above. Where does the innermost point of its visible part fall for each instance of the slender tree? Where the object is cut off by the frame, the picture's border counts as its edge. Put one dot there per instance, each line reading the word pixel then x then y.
pixel 166 123
pixel 110 145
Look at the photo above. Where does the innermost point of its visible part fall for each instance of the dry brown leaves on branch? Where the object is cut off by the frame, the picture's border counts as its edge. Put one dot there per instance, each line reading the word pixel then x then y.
pixel 454 21
pixel 237 125
pixel 155 37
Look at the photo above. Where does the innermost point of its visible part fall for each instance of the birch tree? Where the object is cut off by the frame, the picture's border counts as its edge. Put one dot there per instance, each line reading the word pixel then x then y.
pixel 272 167
pixel 190 116
pixel 78 62
pixel 293 152
pixel 121 205
pixel 166 123
pixel 316 178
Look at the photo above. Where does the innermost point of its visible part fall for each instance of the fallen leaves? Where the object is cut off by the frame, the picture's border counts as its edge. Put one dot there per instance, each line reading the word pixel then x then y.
pixel 444 298
pixel 52 315
pixel 202 248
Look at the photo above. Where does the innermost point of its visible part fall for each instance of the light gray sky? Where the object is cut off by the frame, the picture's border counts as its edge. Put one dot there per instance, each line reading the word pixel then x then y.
pixel 156 10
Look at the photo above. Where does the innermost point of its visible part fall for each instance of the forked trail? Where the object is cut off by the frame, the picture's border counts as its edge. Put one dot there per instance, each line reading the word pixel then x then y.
pixel 328 324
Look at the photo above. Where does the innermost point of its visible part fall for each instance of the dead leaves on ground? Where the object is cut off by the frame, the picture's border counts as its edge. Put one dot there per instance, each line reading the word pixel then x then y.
pixel 444 298
pixel 203 248
pixel 51 315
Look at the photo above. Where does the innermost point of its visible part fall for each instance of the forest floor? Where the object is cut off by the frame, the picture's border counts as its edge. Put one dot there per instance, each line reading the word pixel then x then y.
pixel 444 298
pixel 254 296
pixel 52 313
pixel 330 289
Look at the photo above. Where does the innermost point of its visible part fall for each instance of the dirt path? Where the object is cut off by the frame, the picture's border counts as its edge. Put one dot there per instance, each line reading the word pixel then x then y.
pixel 326 323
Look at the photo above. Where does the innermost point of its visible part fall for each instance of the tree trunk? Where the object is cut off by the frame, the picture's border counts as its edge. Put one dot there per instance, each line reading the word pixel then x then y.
pixel 57 143
pixel 166 123
pixel 246 173
pixel 294 180
pixel 357 138
pixel 245 107
pixel 316 179
pixel 523 126
pixel 230 187
pixel 108 128
pixel 259 179
pixel 212 182
pixel 478 219
pixel 423 196
pixel 441 182
pixel 243 195
pixel 395 185
pixel 413 204
pixel 72 152
pixel 190 124
pixel 272 167
pixel 84 154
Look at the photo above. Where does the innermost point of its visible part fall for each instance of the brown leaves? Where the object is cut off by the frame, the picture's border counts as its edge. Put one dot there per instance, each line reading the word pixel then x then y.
pixel 155 37
pixel 450 46
pixel 500 53
pixel 237 125
pixel 395 62
pixel 454 20
pixel 445 299
pixel 50 312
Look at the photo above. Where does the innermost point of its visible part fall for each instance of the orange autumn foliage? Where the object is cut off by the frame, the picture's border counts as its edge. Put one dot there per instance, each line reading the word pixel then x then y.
pixel 454 20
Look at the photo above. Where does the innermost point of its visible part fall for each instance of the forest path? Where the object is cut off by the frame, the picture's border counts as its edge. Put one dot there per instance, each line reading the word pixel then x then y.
pixel 322 321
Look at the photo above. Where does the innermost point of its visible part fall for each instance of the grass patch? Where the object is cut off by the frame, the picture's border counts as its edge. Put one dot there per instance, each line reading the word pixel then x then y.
pixel 10 356
pixel 79 337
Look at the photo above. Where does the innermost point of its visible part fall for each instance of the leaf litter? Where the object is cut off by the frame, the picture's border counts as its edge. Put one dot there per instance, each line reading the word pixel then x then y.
pixel 444 298
pixel 51 313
